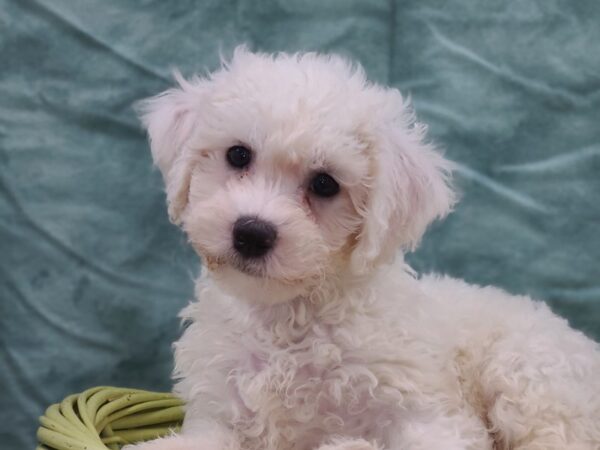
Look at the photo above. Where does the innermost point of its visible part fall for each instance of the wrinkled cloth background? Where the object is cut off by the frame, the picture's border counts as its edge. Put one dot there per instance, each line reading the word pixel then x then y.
pixel 92 275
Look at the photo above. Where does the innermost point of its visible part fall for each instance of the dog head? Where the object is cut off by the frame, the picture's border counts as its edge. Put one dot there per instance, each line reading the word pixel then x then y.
pixel 288 170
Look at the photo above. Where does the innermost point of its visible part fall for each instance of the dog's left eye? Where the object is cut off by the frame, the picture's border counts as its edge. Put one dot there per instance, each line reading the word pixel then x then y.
pixel 323 185
pixel 239 156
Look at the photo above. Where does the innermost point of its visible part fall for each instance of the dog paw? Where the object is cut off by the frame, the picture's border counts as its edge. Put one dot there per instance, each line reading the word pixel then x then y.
pixel 169 443
pixel 209 439
pixel 349 444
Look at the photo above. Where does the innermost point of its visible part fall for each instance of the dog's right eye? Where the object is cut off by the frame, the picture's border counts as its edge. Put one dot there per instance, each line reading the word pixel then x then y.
pixel 239 156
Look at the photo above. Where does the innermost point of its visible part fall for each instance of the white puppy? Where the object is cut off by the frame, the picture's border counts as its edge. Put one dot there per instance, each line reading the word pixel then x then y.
pixel 298 181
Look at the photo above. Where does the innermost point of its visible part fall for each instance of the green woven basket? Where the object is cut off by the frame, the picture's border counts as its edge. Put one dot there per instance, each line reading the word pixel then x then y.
pixel 104 418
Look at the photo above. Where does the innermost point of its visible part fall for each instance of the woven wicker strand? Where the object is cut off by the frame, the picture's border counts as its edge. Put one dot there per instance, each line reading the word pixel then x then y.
pixel 106 418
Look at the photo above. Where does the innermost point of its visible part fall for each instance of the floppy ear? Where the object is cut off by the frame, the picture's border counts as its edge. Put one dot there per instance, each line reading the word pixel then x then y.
pixel 169 119
pixel 410 186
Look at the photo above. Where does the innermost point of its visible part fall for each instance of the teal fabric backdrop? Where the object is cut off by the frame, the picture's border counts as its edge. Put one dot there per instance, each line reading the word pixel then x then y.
pixel 92 275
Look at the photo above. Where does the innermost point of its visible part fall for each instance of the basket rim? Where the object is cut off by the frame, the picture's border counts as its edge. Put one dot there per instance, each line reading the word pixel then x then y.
pixel 107 417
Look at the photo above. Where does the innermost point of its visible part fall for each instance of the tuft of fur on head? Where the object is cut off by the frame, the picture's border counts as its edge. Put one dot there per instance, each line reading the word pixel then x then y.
pixel 300 114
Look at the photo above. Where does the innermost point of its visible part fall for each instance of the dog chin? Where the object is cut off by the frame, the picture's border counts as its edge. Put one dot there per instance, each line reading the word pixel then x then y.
pixel 246 284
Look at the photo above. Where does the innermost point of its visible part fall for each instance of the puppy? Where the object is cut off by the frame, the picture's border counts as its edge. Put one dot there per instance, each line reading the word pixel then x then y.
pixel 298 182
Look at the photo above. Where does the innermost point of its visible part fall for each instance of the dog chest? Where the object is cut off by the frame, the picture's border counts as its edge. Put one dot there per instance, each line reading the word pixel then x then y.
pixel 314 387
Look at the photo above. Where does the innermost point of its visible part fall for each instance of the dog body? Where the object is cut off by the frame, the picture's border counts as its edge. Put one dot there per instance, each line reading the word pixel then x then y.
pixel 401 362
pixel 296 180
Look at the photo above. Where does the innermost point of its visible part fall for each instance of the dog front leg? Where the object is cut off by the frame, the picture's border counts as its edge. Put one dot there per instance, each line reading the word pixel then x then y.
pixel 457 431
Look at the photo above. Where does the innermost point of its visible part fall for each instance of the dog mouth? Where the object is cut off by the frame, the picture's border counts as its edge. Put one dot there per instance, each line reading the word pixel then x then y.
pixel 255 268
pixel 215 262
pixel 249 268
pixel 258 271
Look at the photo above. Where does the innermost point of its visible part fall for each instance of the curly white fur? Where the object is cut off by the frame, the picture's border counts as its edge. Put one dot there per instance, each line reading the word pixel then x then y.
pixel 331 342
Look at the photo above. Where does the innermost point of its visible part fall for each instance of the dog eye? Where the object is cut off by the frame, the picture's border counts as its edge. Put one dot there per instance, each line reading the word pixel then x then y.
pixel 239 156
pixel 324 185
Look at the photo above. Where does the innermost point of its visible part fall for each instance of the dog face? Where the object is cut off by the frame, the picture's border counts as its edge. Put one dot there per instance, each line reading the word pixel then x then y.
pixel 289 170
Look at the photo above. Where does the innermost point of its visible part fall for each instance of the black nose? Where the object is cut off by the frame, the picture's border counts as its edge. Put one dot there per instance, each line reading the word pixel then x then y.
pixel 253 237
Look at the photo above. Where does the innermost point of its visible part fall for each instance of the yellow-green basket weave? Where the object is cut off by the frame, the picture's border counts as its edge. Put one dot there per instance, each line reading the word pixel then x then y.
pixel 106 418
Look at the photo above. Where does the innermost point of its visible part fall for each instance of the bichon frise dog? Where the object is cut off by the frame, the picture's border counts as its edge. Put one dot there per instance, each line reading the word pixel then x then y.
pixel 297 181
